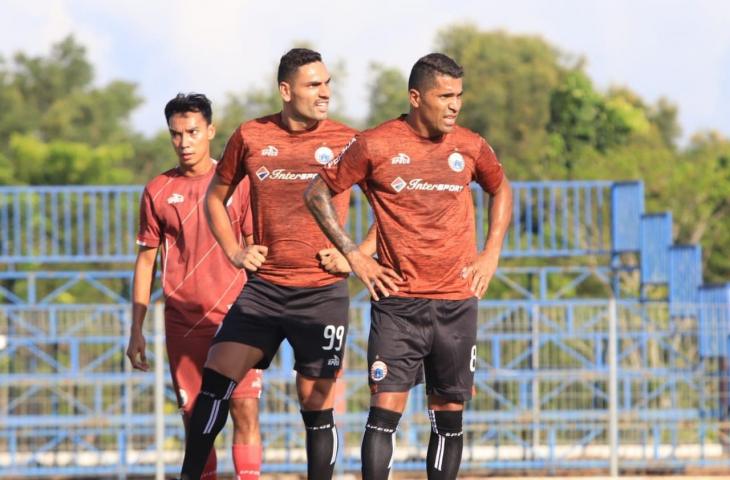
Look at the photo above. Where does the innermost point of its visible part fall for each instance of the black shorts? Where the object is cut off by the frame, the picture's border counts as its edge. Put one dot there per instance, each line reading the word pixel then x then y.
pixel 313 320
pixel 408 334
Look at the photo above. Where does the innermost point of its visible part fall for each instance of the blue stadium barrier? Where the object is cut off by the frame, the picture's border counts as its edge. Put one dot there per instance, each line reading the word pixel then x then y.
pixel 97 224
pixel 627 206
pixel 656 238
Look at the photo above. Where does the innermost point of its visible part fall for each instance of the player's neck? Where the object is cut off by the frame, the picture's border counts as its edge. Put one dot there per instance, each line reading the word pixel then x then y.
pixel 420 128
pixel 296 123
pixel 197 169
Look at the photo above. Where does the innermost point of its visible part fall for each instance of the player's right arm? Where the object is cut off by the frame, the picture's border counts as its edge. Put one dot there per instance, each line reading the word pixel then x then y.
pixel 332 260
pixel 250 256
pixel 230 172
pixel 351 167
pixel 144 274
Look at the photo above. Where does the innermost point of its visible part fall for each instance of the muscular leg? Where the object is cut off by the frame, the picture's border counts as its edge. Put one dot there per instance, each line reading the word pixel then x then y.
pixel 246 438
pixel 447 438
pixel 226 365
pixel 317 398
pixel 378 443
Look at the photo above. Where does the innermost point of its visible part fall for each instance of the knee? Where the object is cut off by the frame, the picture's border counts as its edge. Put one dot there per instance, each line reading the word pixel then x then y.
pixel 316 395
pixel 245 414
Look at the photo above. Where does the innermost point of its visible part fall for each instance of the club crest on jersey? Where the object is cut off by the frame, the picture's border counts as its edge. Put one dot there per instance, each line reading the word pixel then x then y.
pixel 398 184
pixel 324 155
pixel 262 173
pixel 378 370
pixel 270 151
pixel 456 162
pixel 175 198
pixel 401 159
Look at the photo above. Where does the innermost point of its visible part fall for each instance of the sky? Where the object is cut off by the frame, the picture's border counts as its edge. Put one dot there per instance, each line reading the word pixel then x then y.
pixel 658 48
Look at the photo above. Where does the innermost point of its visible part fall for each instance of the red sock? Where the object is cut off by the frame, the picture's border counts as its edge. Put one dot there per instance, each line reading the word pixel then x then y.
pixel 247 461
pixel 209 473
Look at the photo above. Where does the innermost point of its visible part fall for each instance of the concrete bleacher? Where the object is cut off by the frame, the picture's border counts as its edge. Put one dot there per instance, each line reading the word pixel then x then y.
pixel 70 405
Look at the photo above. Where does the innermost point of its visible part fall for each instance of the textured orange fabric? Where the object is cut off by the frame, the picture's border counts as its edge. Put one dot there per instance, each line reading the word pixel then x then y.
pixel 419 191
pixel 280 164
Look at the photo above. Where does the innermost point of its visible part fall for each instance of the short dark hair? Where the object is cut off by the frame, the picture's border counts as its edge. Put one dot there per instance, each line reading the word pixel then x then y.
pixel 424 71
pixel 191 102
pixel 293 59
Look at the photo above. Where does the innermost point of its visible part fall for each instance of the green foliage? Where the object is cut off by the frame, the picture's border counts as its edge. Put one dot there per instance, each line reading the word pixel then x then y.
pixel 387 93
pixel 69 163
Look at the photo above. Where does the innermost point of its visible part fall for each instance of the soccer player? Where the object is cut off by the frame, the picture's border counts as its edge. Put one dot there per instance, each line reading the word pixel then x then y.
pixel 290 294
pixel 426 286
pixel 198 281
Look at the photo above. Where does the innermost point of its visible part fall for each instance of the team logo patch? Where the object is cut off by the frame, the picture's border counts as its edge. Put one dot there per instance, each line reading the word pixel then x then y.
pixel 270 151
pixel 456 162
pixel 175 198
pixel 262 173
pixel 401 159
pixel 398 184
pixel 324 155
pixel 378 370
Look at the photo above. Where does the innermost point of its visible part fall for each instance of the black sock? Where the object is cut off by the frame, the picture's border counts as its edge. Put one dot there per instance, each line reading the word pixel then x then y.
pixel 209 415
pixel 378 443
pixel 321 443
pixel 445 445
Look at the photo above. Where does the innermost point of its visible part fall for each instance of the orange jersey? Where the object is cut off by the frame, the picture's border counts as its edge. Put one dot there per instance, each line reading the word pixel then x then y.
pixel 280 164
pixel 419 191
pixel 198 281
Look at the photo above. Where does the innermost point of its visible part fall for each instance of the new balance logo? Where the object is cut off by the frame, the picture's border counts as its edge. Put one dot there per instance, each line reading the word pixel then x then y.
pixel 175 198
pixel 270 151
pixel 401 159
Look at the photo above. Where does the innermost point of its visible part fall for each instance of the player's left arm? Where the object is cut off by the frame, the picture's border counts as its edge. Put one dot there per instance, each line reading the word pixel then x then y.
pixel 480 272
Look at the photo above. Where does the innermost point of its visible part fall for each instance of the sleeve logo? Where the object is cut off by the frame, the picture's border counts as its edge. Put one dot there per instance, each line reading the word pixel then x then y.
pixel 339 157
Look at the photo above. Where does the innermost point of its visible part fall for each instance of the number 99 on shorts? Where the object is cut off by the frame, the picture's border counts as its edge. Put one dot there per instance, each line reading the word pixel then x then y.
pixel 333 336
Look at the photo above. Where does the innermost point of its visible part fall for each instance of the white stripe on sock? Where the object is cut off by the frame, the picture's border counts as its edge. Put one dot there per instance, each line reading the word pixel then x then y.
pixel 229 392
pixel 211 419
pixel 440 453
pixel 334 445
pixel 392 453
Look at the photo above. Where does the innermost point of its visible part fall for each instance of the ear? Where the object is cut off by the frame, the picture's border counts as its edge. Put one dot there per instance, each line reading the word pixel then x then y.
pixel 285 91
pixel 211 132
pixel 414 98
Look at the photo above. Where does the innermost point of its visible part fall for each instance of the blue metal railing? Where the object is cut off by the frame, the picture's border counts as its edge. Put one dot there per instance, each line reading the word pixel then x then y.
pixel 98 224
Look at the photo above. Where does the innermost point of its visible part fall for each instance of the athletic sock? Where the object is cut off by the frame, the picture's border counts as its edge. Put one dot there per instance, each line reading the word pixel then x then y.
pixel 209 416
pixel 247 461
pixel 445 445
pixel 321 443
pixel 378 443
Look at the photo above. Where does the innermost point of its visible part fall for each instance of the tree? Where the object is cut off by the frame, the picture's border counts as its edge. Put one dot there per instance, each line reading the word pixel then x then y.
pixel 49 109
pixel 387 94
pixel 508 83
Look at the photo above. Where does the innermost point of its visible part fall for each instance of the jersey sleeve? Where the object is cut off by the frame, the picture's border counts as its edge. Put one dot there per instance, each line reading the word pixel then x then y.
pixel 231 167
pixel 350 167
pixel 244 189
pixel 487 169
pixel 149 234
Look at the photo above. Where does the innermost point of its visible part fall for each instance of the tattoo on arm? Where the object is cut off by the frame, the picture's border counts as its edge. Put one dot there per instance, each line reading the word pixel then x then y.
pixel 318 198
